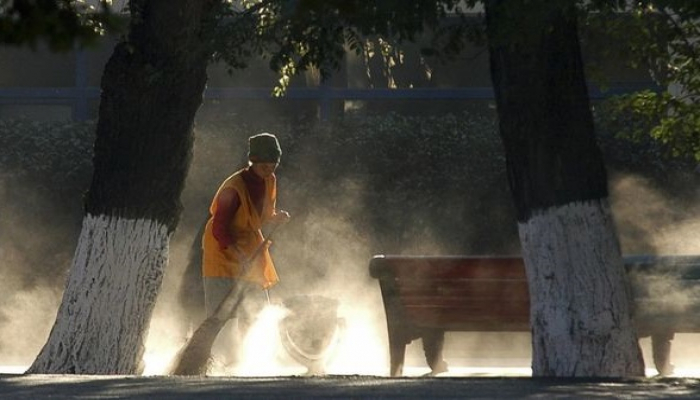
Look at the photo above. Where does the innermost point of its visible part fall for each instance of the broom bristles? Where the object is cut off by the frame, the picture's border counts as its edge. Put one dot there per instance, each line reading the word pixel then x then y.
pixel 194 357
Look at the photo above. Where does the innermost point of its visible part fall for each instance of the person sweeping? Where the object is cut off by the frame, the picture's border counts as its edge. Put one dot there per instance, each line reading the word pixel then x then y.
pixel 236 257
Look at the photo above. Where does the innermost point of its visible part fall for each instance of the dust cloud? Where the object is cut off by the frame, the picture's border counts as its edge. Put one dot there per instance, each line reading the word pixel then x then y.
pixel 324 250
pixel 35 251
pixel 320 252
pixel 651 222
pixel 26 319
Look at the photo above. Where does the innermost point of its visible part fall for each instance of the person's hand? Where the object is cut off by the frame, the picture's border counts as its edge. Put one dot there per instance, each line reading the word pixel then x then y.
pixel 281 217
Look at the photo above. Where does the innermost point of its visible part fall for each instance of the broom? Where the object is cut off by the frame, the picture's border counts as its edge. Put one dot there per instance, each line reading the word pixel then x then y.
pixel 193 358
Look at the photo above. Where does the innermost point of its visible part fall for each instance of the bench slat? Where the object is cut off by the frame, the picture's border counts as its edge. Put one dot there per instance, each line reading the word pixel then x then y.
pixel 480 302
pixel 497 313
pixel 465 288
pixel 448 268
pixel 459 320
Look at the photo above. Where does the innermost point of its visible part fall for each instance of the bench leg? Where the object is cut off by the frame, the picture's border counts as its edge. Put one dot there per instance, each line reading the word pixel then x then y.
pixel 433 343
pixel 661 352
pixel 397 354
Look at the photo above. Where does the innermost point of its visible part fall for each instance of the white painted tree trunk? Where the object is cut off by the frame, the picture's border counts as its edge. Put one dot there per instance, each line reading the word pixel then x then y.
pixel 580 298
pixel 107 304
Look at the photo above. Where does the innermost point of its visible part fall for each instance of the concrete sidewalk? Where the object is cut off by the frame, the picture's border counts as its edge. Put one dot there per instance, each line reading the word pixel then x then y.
pixel 339 387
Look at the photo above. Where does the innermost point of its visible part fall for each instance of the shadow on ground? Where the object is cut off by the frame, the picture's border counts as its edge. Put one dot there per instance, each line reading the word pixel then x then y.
pixel 340 386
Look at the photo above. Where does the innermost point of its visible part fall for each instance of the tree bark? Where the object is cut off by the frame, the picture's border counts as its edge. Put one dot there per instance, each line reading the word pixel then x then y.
pixel 152 87
pixel 580 299
pixel 112 287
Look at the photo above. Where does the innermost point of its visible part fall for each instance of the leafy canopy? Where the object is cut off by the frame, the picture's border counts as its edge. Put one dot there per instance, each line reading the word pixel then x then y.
pixel 59 23
pixel 296 35
pixel 663 36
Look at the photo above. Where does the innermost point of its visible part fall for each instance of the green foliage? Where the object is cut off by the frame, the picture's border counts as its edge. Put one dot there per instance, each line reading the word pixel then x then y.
pixel 641 154
pixel 661 116
pixel 664 37
pixel 660 35
pixel 297 35
pixel 59 23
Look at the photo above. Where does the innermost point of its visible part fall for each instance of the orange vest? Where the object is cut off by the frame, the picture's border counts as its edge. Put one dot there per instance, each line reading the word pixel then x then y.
pixel 246 227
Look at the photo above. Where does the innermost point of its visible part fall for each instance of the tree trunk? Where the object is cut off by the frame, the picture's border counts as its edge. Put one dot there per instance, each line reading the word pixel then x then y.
pixel 580 298
pixel 152 87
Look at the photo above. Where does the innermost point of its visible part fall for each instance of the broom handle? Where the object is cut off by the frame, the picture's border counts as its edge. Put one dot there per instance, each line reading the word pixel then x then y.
pixel 259 249
pixel 257 252
pixel 230 302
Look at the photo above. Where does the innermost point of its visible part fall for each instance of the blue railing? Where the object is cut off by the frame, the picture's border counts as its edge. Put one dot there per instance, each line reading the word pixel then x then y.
pixel 79 97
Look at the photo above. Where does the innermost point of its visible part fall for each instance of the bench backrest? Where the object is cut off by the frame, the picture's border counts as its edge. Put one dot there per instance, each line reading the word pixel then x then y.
pixel 456 293
pixel 487 293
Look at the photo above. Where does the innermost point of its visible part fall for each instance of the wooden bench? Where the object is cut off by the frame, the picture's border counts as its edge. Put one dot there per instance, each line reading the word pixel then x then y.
pixel 425 296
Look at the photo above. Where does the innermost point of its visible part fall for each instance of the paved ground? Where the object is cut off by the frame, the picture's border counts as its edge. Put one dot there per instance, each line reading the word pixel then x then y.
pixel 339 387
pixel 495 378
